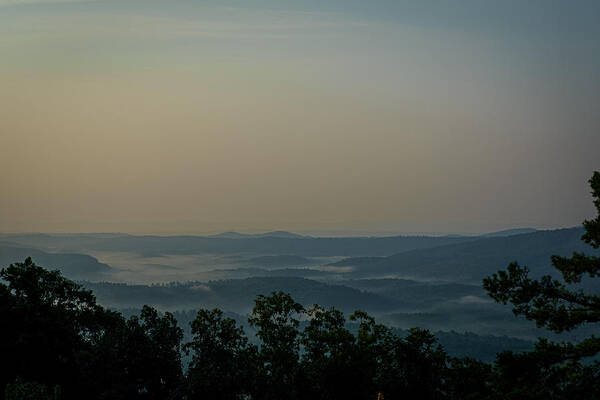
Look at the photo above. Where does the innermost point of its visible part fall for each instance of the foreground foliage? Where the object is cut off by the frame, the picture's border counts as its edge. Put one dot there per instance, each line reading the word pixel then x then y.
pixel 555 370
pixel 53 333
pixel 56 342
pixel 59 344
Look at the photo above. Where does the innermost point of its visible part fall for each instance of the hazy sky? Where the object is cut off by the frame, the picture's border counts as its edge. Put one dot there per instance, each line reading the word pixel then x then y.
pixel 189 116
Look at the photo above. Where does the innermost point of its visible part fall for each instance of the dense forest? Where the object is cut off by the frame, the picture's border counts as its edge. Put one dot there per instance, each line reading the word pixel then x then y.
pixel 60 344
pixel 57 342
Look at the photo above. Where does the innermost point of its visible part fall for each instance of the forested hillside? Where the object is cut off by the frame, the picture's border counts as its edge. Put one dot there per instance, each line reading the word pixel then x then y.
pixel 60 344
pixel 75 266
pixel 470 262
pixel 261 245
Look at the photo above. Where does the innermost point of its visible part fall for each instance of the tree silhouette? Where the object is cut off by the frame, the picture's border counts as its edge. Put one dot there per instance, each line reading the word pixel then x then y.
pixel 54 335
pixel 330 357
pixel 553 368
pixel 276 319
pixel 223 364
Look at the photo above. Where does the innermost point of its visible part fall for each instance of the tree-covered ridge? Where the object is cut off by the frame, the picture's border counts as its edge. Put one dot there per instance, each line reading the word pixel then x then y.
pixel 258 246
pixel 470 262
pixel 73 265
pixel 57 342
pixel 59 337
pixel 61 344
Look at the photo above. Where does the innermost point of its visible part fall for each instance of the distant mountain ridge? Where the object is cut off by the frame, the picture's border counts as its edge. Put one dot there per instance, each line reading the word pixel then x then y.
pixel 238 235
pixel 510 232
pixel 470 262
pixel 261 245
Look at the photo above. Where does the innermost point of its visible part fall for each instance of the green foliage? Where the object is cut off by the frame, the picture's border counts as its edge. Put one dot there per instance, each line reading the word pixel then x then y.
pixel 331 358
pixel 223 365
pixel 469 379
pixel 275 318
pixel 549 302
pixel 541 374
pixel 413 367
pixel 592 227
pixel 58 335
pixel 20 390
pixel 553 370
pixel 49 319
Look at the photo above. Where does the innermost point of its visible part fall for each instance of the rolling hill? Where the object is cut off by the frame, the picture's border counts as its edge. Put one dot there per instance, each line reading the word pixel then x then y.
pixel 260 246
pixel 470 262
pixel 237 295
pixel 73 266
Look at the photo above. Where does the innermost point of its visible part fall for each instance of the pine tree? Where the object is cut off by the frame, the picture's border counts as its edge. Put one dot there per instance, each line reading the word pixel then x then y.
pixel 554 369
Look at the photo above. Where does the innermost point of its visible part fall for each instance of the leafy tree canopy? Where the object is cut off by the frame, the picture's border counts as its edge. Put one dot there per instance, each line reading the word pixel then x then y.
pixel 554 368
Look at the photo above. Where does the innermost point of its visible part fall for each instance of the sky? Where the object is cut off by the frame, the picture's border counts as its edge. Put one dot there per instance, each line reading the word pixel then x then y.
pixel 191 117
